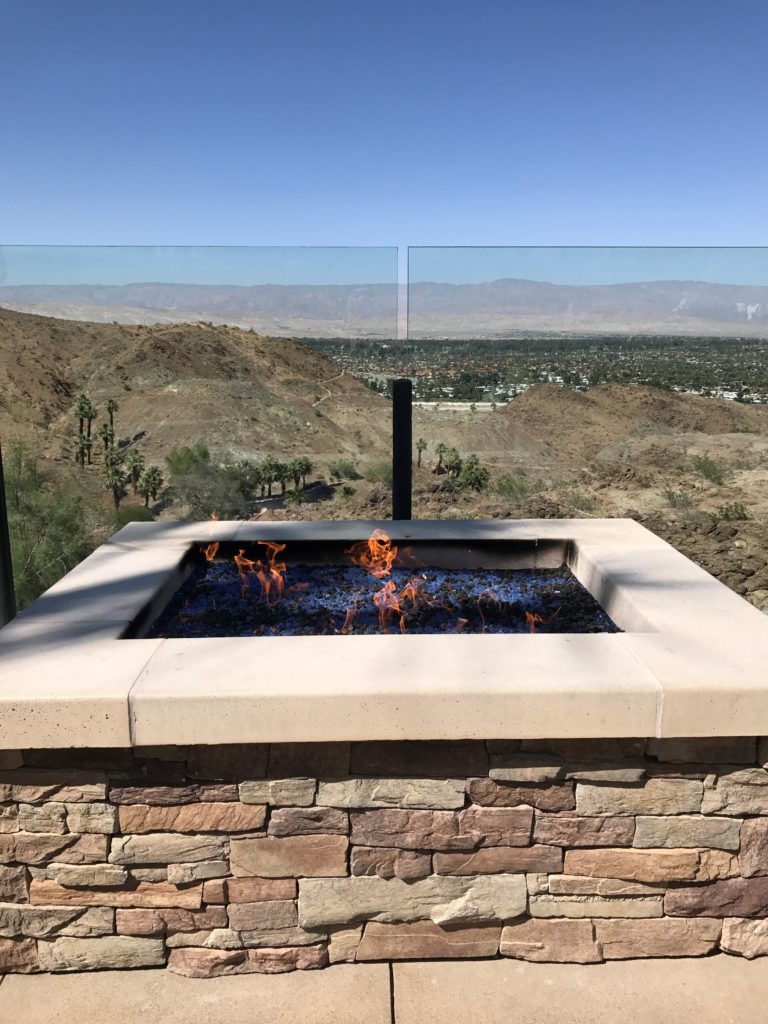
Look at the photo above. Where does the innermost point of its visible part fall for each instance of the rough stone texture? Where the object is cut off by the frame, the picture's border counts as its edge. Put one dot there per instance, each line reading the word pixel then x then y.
pixel 525 768
pixel 193 817
pixel 537 884
pixel 426 793
pixel 753 856
pixel 444 900
pixel 420 758
pixel 36 922
pixel 9 818
pixel 569 830
pixel 301 821
pixel 42 818
pixel 739 792
pixel 87 875
pixel 207 963
pixel 414 830
pixel 745 937
pixel 256 937
pixel 166 848
pixel 709 750
pixel 140 874
pixel 145 894
pixel 40 848
pixel 265 914
pixel 297 856
pixel 687 831
pixel 343 943
pixel 109 953
pixel 498 794
pixel 656 796
pixel 13 885
pixel 213 963
pixel 91 818
pixel 497 826
pixel 584 885
pixel 732 897
pixel 157 921
pixel 252 890
pixel 215 891
pixel 622 940
pixel 425 939
pixel 36 785
pixel 550 941
pixel 594 906
pixel 500 859
pixel 408 865
pixel 279 792
pixel 652 865
pixel 164 796
pixel 183 874
pixel 18 956
pixel 605 773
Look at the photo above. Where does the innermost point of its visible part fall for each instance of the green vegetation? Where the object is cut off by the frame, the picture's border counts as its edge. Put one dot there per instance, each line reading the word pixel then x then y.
pixel 472 475
pixel 517 487
pixel 731 511
pixel 379 472
pixel 679 499
pixel 421 447
pixel 711 470
pixel 344 470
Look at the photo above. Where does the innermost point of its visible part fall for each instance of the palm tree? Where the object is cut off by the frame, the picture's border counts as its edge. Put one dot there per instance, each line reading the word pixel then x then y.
pixel 81 411
pixel 282 475
pixel 305 468
pixel 269 469
pixel 82 449
pixel 107 435
pixel 453 462
pixel 90 412
pixel 421 445
pixel 294 468
pixel 134 465
pixel 440 451
pixel 149 484
pixel 112 408
pixel 114 481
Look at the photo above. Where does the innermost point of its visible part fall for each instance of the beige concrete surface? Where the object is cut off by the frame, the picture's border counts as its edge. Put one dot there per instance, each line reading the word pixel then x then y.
pixel 711 990
pixel 345 994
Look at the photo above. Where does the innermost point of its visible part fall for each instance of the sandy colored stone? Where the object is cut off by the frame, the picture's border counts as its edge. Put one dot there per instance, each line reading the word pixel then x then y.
pixel 171 919
pixel 164 796
pixel 739 792
pixel 390 863
pixel 753 856
pixel 18 956
pixel 622 940
pixel 9 818
pixel 438 794
pixel 252 890
pixel 264 914
pixel 550 941
pixel 87 875
pixel 215 890
pixel 296 856
pixel 301 821
pixel 36 922
pixel 607 773
pixel 193 817
pixel 652 865
pixel 166 848
pixel 13 885
pixel 731 897
pixel 594 906
pixel 207 963
pixel 183 874
pixel 257 937
pixel 656 796
pixel 694 830
pixel 525 768
pixel 40 847
pixel 745 937
pixel 278 792
pixel 145 894
pixel 497 826
pixel 113 952
pixel 36 785
pixel 42 818
pixel 420 758
pixel 496 859
pixel 409 829
pixel 212 963
pixel 704 750
pixel 537 884
pixel 584 885
pixel 92 818
pixel 214 938
pixel 571 830
pixel 420 940
pixel 443 899
pixel 343 943
pixel 500 794
pixel 143 874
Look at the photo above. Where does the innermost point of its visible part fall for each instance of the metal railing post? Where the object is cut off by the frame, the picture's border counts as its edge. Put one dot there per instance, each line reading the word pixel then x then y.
pixel 402 447
pixel 7 594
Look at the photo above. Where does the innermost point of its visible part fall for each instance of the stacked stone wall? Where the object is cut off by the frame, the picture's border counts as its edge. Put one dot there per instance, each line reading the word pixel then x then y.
pixel 270 858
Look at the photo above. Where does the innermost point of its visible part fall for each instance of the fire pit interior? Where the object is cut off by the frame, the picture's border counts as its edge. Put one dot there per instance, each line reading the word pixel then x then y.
pixel 271 588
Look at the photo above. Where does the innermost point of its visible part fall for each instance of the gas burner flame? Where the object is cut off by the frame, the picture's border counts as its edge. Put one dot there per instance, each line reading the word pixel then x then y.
pixel 210 550
pixel 272 575
pixel 376 554
pixel 533 619
pixel 388 605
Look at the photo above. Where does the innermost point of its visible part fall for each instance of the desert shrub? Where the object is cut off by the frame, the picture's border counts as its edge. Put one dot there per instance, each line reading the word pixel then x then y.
pixel 580 501
pixel 678 499
pixel 134 514
pixel 188 459
pixel 731 511
pixel 517 487
pixel 293 498
pixel 379 473
pixel 473 476
pixel 348 491
pixel 344 470
pixel 711 470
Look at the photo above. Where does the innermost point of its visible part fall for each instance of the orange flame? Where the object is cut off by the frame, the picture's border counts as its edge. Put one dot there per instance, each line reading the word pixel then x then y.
pixel 210 550
pixel 388 604
pixel 533 619
pixel 375 554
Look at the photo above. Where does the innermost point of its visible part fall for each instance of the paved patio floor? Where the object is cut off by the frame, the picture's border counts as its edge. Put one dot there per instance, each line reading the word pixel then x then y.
pixel 715 990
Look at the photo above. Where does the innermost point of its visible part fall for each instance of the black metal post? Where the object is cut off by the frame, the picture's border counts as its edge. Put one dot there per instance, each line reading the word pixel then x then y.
pixel 402 447
pixel 7 594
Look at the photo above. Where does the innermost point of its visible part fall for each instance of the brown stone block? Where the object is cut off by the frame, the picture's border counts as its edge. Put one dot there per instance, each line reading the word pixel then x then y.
pixel 9 818
pixel 753 854
pixel 497 826
pixel 626 939
pixel 206 963
pixel 409 830
pixel 38 847
pixel 422 940
pixel 253 890
pixel 314 760
pixel 215 890
pixel 230 761
pixel 215 963
pixel 302 821
pixel 171 919
pixel 571 830
pixel 192 817
pixel 426 758
pixel 560 941
pixel 18 956
pixel 499 794
pixel 35 785
pixel 294 857
pixel 732 897
pixel 13 885
pixel 584 885
pixel 265 914
pixel 651 865
pixel 407 865
pixel 145 894
pixel 500 859
pixel 42 818
pixel 164 796
pixel 290 958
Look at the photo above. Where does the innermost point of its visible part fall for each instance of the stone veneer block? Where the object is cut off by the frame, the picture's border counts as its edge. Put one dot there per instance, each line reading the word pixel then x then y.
pixel 18 956
pixel 753 856
pixel 9 818
pixel 96 818
pixel 279 792
pixel 110 953
pixel 444 900
pixel 687 830
pixel 421 793
pixel 297 856
pixel 412 830
pixel 252 890
pixel 739 792
pixel 497 859
pixel 656 796
pixel 184 874
pixel 37 785
pixel 193 817
pixel 343 943
pixel 623 940
pixel 301 821
pixel 551 941
pixel 42 818
pixel 38 922
pixel 745 937
pixel 165 796
pixel 87 875
pixel 39 848
pixel 157 921
pixel 426 940
pixel 166 848
pixel 407 865
pixel 652 865
pixel 213 963
pixel 584 885
pixel 570 830
pixel 731 897
pixel 253 938
pixel 261 915
pixel 488 793
pixel 13 885
pixel 594 906
pixel 497 826
pixel 145 894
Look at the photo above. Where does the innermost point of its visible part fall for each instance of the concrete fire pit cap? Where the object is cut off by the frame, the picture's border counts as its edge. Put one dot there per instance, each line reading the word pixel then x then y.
pixel 692 660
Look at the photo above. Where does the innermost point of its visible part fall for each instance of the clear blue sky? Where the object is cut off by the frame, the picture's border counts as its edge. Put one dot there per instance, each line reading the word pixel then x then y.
pixel 400 122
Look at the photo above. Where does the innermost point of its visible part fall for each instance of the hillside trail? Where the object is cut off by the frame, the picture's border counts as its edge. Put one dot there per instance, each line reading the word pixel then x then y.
pixel 323 383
